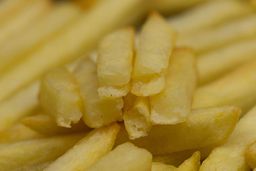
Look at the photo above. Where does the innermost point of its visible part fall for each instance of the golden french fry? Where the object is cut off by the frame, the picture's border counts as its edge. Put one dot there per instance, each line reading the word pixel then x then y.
pixel 16 48
pixel 97 111
pixel 230 156
pixel 236 88
pixel 87 151
pixel 173 104
pixel 158 166
pixel 207 15
pixel 31 152
pixel 222 35
pixel 216 63
pixel 191 164
pixel 204 128
pixel 250 155
pixel 136 116
pixel 155 46
pixel 114 63
pixel 60 97
pixel 125 157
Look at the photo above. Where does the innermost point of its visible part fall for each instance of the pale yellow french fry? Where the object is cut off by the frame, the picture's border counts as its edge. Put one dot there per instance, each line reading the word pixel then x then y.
pixel 18 106
pixel 31 152
pixel 16 48
pixel 36 167
pixel 136 116
pixel 97 111
pixel 158 166
pixel 60 97
pixel 250 155
pixel 214 64
pixel 24 18
pixel 204 128
pixel 207 15
pixel 174 103
pixel 191 164
pixel 230 156
pixel 155 46
pixel 125 157
pixel 222 35
pixel 114 63
pixel 236 88
pixel 46 125
pixel 87 151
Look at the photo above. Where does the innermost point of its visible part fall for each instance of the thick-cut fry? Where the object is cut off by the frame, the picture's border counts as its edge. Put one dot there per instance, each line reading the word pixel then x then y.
pixel 191 164
pixel 28 15
pixel 204 128
pixel 237 88
pixel 222 35
pixel 212 65
pixel 87 151
pixel 230 156
pixel 174 103
pixel 72 43
pixel 18 106
pixel 155 46
pixel 114 63
pixel 31 152
pixel 46 125
pixel 136 116
pixel 207 15
pixel 125 157
pixel 250 155
pixel 97 111
pixel 158 166
pixel 15 49
pixel 60 97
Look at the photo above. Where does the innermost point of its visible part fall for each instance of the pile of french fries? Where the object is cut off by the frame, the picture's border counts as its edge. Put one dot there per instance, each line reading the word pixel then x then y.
pixel 82 88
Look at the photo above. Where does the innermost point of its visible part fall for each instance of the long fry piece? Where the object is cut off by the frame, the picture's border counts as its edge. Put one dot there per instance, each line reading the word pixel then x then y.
pixel 250 155
pixel 191 164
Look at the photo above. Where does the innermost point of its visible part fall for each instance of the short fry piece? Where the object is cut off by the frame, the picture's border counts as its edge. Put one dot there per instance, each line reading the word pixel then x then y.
pixel 191 164
pixel 156 42
pixel 84 154
pixel 174 103
pixel 60 97
pixel 158 166
pixel 114 63
pixel 125 157
pixel 250 155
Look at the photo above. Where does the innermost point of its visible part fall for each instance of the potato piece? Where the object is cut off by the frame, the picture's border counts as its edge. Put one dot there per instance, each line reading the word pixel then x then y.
pixel 18 106
pixel 216 63
pixel 155 46
pixel 18 47
pixel 46 125
pixel 125 157
pixel 191 164
pixel 222 35
pixel 87 151
pixel 77 40
pixel 36 167
pixel 158 166
pixel 60 97
pixel 114 63
pixel 174 103
pixel 236 88
pixel 216 123
pixel 208 14
pixel 230 156
pixel 97 111
pixel 31 152
pixel 136 116
pixel 250 155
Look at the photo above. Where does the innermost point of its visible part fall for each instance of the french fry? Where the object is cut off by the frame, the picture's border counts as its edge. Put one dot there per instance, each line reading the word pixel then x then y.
pixel 74 42
pixel 155 46
pixel 230 156
pixel 87 151
pixel 46 125
pixel 114 63
pixel 136 116
pixel 222 35
pixel 236 88
pixel 97 111
pixel 28 15
pixel 158 166
pixel 207 15
pixel 250 155
pixel 221 61
pixel 166 139
pixel 125 157
pixel 174 103
pixel 191 164
pixel 31 152
pixel 16 48
pixel 36 167
pixel 60 97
